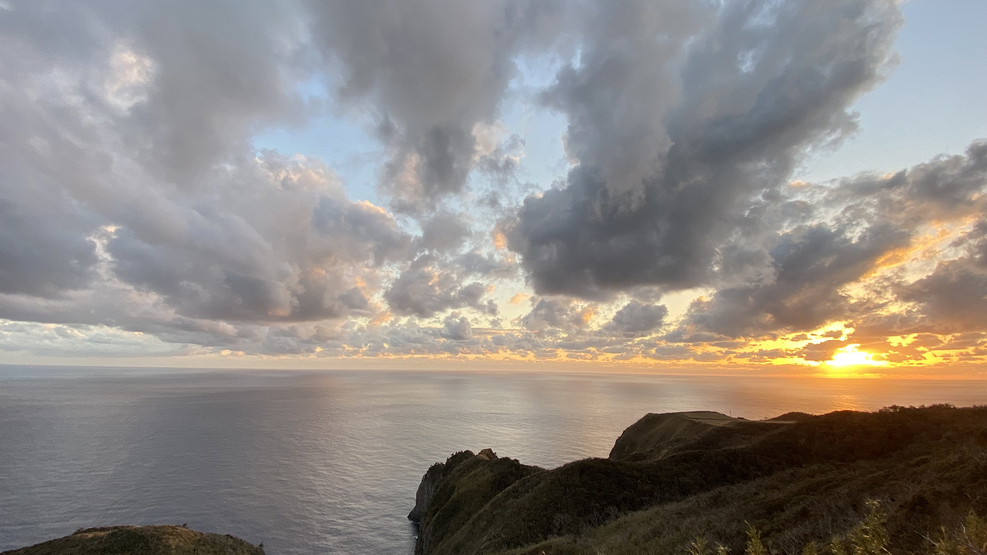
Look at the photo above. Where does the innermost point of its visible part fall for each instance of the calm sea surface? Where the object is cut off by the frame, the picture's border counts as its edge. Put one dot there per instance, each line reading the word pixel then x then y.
pixel 329 462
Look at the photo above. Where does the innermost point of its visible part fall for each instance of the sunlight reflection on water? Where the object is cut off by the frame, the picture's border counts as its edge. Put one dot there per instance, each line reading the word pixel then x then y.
pixel 329 462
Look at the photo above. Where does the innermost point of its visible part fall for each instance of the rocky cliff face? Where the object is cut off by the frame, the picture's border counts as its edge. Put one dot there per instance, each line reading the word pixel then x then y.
pixel 436 474
pixel 143 540
pixel 426 490
pixel 452 491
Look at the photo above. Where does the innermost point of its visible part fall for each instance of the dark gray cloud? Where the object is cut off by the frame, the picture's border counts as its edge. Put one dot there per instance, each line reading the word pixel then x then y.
pixel 42 260
pixel 663 178
pixel 952 299
pixel 637 318
pixel 810 267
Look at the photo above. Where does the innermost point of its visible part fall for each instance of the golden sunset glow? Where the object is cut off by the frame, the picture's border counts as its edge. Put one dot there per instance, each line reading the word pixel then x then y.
pixel 850 356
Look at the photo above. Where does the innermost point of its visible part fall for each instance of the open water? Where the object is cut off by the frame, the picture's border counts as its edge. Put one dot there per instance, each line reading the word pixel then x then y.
pixel 322 463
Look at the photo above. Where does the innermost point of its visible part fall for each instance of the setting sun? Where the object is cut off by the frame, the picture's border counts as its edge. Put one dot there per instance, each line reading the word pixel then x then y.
pixel 850 356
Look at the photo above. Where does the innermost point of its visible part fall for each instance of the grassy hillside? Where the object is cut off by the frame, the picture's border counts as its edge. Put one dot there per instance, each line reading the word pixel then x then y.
pixel 142 540
pixel 799 480
pixel 469 482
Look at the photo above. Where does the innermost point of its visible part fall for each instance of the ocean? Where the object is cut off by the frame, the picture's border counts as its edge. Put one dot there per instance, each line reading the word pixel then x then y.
pixel 329 462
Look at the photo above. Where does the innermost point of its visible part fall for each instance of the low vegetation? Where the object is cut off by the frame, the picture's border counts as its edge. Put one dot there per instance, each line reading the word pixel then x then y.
pixel 142 540
pixel 869 537
pixel 901 480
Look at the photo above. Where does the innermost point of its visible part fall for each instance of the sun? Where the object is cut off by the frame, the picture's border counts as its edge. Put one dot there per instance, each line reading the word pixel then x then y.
pixel 850 356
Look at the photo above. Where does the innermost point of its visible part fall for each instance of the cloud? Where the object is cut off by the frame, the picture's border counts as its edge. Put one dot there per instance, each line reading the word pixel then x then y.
pixel 457 327
pixel 663 176
pixel 432 71
pixel 501 161
pixel 948 295
pixel 426 288
pixel 637 318
pixel 131 196
pixel 444 232
pixel 822 351
pixel 942 189
pixel 267 251
pixel 810 266
pixel 42 260
pixel 557 314
pixel 75 341
pixel 952 299
pixel 178 105
pixel 809 255
pixel 136 212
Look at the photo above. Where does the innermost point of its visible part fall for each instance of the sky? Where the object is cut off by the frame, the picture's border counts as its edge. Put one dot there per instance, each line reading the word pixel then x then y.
pixel 711 186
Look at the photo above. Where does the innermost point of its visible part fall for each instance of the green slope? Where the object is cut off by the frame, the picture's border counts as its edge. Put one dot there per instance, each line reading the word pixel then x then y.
pixel 671 478
pixel 142 540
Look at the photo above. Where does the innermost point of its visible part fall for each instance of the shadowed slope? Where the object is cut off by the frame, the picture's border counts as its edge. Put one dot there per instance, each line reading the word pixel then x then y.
pixel 672 477
pixel 659 435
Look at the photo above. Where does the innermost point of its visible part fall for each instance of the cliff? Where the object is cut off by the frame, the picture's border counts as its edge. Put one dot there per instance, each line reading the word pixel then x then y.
pixel 799 479
pixel 452 491
pixel 143 540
